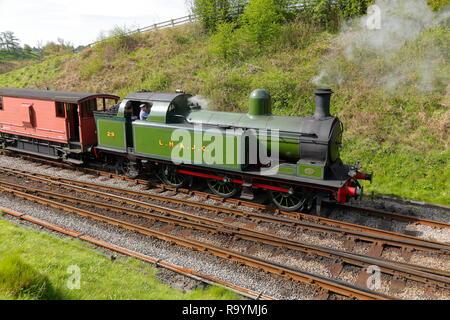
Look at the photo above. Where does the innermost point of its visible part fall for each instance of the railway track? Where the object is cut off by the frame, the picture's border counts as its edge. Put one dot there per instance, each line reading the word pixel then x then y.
pixel 196 275
pixel 397 216
pixel 238 202
pixel 210 225
pixel 328 285
pixel 426 276
pixel 378 237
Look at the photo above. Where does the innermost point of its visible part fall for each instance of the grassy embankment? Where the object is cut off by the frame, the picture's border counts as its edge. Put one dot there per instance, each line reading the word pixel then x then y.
pixel 35 266
pixel 402 135
pixel 10 61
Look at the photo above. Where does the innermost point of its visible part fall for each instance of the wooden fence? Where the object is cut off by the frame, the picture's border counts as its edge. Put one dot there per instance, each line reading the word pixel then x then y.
pixel 192 18
pixel 157 26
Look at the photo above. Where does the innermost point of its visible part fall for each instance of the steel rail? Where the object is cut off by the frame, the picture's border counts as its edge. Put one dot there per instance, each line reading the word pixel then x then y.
pixel 412 272
pixel 230 200
pixel 397 216
pixel 376 235
pixel 196 275
pixel 330 285
pixel 412 202
pixel 236 202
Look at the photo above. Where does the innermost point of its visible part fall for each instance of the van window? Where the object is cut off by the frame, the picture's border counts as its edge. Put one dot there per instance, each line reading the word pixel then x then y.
pixel 60 110
pixel 1 103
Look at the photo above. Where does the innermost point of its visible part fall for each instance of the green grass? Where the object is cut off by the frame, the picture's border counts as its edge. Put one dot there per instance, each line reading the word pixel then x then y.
pixel 38 75
pixel 402 135
pixel 35 266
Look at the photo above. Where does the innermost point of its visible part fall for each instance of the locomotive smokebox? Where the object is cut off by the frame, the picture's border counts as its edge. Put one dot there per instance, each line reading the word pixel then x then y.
pixel 323 98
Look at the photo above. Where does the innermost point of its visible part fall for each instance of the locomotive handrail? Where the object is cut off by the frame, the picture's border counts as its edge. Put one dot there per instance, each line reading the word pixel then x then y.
pixel 292 133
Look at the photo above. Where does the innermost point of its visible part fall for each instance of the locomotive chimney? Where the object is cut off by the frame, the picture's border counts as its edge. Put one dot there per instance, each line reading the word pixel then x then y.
pixel 323 97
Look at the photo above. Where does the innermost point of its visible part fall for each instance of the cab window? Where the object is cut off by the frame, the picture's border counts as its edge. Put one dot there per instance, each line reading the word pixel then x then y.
pixel 133 109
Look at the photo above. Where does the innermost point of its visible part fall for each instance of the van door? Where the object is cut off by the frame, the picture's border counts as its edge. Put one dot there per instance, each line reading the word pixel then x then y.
pixel 73 123
pixel 87 122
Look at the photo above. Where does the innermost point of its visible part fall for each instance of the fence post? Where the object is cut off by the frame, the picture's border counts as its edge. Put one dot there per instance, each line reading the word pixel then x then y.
pixel 173 24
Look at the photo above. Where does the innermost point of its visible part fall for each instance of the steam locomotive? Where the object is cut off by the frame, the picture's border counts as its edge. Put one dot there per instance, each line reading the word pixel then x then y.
pixel 294 160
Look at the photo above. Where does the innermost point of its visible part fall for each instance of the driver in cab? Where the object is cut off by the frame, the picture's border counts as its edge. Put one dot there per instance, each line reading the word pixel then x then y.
pixel 145 111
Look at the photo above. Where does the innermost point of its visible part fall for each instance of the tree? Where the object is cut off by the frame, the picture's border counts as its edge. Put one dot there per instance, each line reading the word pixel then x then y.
pixel 9 42
pixel 2 42
pixel 27 49
pixel 60 47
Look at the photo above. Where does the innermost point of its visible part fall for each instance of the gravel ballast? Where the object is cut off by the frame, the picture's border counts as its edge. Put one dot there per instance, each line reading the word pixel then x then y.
pixel 228 271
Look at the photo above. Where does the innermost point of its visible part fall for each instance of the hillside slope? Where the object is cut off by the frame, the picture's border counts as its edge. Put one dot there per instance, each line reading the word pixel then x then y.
pixel 400 133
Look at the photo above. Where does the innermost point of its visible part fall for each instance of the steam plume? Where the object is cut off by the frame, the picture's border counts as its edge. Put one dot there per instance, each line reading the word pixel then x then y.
pixel 200 100
pixel 387 45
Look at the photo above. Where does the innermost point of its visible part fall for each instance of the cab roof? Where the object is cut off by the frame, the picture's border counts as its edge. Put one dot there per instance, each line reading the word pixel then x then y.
pixel 154 96
pixel 63 96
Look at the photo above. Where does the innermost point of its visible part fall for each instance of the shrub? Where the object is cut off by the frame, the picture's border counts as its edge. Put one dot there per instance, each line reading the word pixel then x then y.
pixel 351 8
pixel 298 34
pixel 91 66
pixel 156 81
pixel 56 49
pixel 224 43
pixel 260 21
pixel 119 40
pixel 214 12
pixel 281 86
pixel 438 4
pixel 323 12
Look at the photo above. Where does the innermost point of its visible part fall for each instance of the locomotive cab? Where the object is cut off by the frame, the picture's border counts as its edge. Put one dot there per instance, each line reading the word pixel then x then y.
pixel 119 128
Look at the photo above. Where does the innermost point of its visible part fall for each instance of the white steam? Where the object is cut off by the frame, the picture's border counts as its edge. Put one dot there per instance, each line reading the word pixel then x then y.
pixel 375 41
pixel 201 101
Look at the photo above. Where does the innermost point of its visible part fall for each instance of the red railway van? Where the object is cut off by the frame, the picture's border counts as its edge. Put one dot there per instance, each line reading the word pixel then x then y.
pixel 54 124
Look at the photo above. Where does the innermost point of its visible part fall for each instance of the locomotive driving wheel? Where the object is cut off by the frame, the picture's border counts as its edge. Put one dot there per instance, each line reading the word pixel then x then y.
pixel 170 176
pixel 125 167
pixel 295 200
pixel 223 188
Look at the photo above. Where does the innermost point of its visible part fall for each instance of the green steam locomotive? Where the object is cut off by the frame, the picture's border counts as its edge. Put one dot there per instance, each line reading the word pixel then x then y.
pixel 295 160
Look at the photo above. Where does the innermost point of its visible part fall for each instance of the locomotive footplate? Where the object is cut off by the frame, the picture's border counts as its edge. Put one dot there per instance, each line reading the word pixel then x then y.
pixel 247 191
